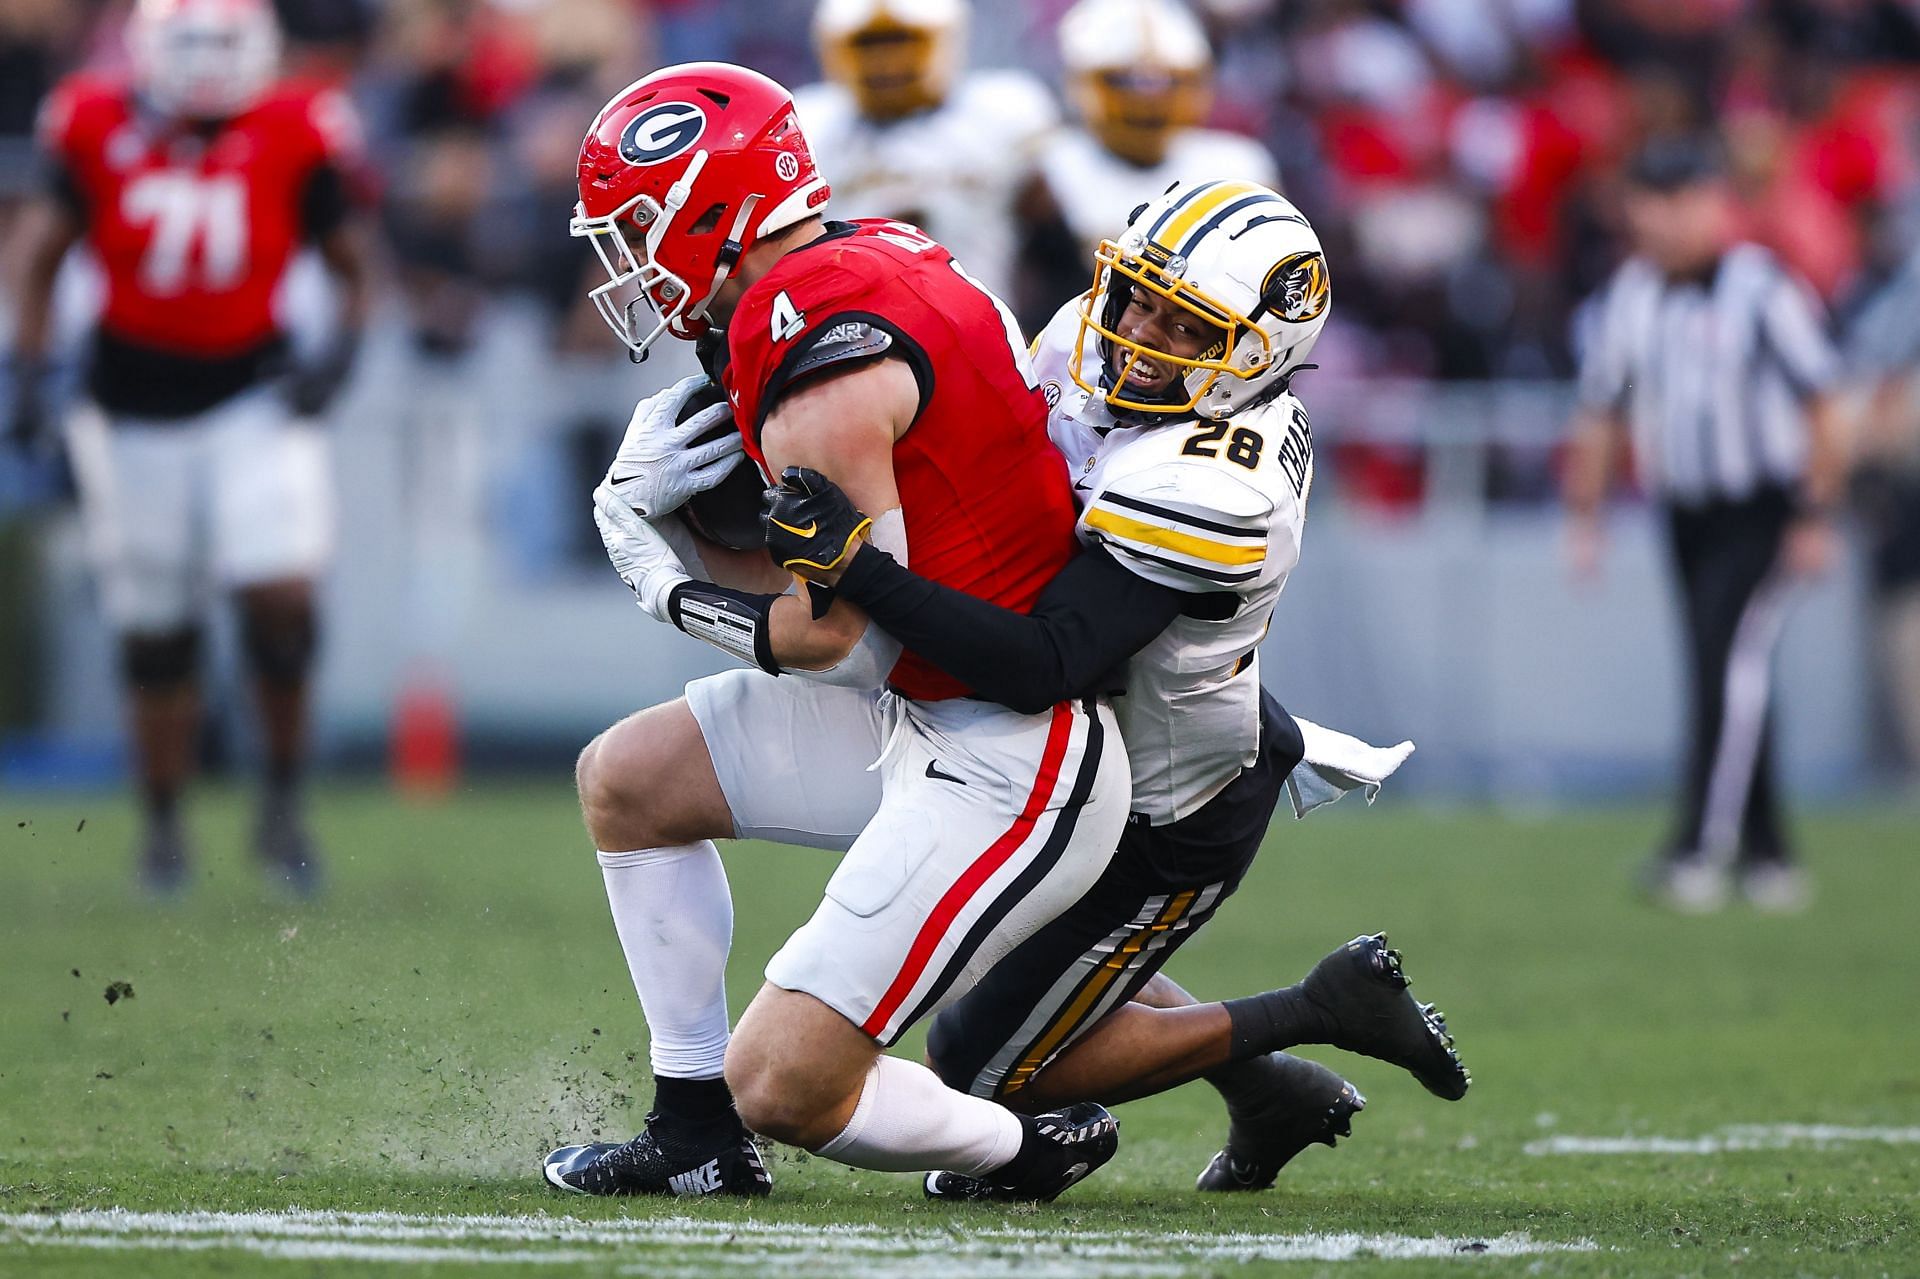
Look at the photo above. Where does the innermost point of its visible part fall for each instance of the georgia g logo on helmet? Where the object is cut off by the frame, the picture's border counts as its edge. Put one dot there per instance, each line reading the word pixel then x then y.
pixel 662 132
pixel 1296 289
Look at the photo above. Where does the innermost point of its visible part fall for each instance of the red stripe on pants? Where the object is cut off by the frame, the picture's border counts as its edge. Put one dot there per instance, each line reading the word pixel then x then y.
pixel 982 869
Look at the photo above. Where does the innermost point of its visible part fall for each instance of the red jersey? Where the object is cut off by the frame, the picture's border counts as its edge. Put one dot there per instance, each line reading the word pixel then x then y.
pixel 986 497
pixel 194 227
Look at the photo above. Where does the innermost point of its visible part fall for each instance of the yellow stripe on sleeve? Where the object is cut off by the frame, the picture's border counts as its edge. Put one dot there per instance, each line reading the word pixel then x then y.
pixel 1200 548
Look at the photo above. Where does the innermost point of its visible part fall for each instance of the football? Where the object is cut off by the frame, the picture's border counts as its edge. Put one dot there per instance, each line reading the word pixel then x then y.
pixel 729 512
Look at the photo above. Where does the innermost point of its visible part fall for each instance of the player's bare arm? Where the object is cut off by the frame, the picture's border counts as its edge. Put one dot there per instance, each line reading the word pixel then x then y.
pixel 47 231
pixel 1599 440
pixel 347 253
pixel 844 426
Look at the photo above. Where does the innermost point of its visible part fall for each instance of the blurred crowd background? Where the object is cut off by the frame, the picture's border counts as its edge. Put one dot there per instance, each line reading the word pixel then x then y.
pixel 1461 159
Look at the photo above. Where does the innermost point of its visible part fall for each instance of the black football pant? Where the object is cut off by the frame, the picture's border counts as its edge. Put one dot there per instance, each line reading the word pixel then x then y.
pixel 1734 597
pixel 1163 884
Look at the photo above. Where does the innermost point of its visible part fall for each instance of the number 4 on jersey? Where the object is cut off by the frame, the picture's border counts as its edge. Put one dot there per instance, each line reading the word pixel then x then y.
pixel 788 319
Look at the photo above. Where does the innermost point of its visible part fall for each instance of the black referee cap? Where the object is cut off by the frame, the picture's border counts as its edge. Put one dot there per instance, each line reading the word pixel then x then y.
pixel 1673 162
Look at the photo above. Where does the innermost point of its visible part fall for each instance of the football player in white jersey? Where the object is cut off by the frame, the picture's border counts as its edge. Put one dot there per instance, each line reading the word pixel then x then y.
pixel 903 131
pixel 1169 381
pixel 1140 78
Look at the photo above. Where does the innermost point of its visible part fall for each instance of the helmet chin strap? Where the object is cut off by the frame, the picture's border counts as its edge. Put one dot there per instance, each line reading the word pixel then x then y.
pixel 729 259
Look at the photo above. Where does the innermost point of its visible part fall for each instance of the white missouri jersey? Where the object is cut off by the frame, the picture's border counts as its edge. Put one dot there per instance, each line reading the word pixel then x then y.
pixel 1095 190
pixel 954 170
pixel 1215 509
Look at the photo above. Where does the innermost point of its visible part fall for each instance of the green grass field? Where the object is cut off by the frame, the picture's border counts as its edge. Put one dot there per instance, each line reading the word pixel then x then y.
pixel 365 1085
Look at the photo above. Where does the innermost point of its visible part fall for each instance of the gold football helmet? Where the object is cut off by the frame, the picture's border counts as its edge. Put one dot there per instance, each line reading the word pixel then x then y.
pixel 895 56
pixel 1138 71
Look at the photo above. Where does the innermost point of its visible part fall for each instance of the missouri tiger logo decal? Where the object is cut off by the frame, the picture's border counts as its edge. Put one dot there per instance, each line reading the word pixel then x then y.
pixel 1297 289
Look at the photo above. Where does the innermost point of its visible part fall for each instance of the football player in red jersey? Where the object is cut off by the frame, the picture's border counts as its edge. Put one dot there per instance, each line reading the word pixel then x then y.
pixel 863 351
pixel 197 454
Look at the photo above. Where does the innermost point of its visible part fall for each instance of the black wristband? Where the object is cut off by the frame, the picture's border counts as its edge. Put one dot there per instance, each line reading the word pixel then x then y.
pixel 737 623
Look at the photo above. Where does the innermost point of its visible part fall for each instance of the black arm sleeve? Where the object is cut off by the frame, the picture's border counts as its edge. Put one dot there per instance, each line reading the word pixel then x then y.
pixel 57 182
pixel 1089 620
pixel 325 202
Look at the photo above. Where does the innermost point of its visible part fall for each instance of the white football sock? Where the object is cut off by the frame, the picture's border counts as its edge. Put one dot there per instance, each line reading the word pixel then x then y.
pixel 674 914
pixel 908 1121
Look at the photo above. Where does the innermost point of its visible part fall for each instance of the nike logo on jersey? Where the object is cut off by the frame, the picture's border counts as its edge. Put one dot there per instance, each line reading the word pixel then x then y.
pixel 933 771
pixel 703 1180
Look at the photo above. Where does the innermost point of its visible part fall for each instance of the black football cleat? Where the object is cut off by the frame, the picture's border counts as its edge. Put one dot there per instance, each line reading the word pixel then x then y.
pixel 1310 1105
pixel 664 1160
pixel 1363 993
pixel 1070 1144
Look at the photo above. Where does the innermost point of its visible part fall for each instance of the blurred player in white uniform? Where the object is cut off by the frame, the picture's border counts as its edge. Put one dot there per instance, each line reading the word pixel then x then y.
pixel 903 131
pixel 1140 78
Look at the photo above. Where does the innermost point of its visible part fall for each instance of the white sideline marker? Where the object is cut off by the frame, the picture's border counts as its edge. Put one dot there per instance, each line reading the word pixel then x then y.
pixel 695 1246
pixel 1736 1137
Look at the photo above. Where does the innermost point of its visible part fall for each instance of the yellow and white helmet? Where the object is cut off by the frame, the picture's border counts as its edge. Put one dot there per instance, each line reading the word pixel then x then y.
pixel 1237 255
pixel 1138 71
pixel 895 56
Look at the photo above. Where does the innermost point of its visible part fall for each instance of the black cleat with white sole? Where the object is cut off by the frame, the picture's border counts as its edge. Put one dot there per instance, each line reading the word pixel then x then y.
pixel 1362 992
pixel 665 1159
pixel 1311 1105
pixel 1063 1148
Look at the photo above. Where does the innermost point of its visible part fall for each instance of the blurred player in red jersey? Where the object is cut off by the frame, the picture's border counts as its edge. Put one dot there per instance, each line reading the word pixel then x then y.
pixel 864 351
pixel 198 454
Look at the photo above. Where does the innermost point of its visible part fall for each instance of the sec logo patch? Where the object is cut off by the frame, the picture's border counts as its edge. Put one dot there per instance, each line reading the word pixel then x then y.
pixel 787 166
pixel 662 132
pixel 1051 394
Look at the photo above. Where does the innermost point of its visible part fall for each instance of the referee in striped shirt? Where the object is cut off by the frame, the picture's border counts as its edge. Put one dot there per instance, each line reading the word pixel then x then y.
pixel 1711 364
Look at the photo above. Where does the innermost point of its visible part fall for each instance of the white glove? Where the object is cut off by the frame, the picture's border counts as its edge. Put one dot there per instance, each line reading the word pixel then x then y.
pixel 640 555
pixel 658 468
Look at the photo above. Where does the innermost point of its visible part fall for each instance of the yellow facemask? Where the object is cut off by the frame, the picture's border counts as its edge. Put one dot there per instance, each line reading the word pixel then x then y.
pixel 1115 274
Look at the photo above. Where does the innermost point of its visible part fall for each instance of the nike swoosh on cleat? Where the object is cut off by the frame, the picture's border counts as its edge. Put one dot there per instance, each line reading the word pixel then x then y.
pixel 933 770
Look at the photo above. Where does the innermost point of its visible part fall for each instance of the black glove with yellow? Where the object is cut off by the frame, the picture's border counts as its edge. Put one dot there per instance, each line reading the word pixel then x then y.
pixel 813 529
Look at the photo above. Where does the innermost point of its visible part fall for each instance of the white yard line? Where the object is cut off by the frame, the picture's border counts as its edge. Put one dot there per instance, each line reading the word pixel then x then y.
pixel 694 1246
pixel 1733 1138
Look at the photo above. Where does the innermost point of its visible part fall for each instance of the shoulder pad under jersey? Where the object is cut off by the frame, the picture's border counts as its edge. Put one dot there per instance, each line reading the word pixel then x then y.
pixel 1012 102
pixel 1188 525
pixel 843 342
pixel 1219 151
pixel 1053 348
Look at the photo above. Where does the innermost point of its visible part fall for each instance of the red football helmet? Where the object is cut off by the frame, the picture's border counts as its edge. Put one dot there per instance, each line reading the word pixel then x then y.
pixel 699 162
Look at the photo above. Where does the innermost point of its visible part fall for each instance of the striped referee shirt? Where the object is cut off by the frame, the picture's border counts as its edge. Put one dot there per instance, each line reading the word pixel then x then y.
pixel 1713 375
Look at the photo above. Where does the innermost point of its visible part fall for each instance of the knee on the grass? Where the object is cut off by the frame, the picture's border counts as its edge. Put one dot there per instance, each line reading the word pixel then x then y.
pixel 780 1098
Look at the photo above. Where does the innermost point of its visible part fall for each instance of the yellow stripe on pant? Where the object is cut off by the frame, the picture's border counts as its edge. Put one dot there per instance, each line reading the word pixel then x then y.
pixel 1091 993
